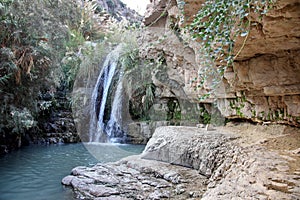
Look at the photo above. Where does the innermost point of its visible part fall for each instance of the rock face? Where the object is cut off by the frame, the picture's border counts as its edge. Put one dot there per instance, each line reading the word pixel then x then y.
pixel 192 163
pixel 190 147
pixel 118 10
pixel 267 71
pixel 57 122
pixel 141 132
pixel 264 82
pixel 151 100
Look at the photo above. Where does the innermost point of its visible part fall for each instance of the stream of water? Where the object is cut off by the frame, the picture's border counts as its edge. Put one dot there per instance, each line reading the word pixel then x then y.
pixel 110 130
pixel 35 172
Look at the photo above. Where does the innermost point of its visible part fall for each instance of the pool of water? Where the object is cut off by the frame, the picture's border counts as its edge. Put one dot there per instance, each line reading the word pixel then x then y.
pixel 35 172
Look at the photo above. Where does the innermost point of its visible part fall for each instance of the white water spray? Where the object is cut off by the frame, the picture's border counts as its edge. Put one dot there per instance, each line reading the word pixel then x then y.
pixel 99 97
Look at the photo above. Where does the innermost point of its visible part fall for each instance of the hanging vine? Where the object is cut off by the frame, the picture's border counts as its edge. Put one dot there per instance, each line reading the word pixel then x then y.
pixel 217 25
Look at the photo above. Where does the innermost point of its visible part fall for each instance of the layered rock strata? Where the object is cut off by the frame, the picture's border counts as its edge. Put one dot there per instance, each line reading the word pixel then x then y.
pixel 264 82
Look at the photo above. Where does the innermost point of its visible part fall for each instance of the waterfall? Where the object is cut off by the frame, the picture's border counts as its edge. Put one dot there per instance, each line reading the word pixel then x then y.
pixel 99 131
pixel 113 128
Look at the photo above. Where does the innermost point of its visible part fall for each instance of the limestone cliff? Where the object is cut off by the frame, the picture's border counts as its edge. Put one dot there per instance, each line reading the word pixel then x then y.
pixel 118 10
pixel 264 82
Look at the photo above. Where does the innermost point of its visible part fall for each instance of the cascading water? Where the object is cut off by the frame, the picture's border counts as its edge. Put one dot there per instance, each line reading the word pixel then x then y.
pixel 113 128
pixel 99 131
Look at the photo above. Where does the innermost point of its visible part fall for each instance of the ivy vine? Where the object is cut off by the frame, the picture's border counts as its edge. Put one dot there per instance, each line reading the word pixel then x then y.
pixel 217 25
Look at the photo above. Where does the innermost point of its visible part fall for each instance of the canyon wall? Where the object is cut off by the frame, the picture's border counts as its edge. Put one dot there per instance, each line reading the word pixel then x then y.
pixel 118 10
pixel 262 85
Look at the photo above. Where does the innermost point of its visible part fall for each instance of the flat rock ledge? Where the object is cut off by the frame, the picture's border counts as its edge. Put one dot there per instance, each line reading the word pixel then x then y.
pixel 192 163
pixel 136 178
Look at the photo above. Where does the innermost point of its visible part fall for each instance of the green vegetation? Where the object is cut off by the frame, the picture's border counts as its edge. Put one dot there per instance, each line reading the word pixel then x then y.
pixel 130 59
pixel 45 45
pixel 238 104
pixel 149 96
pixel 217 26
pixel 141 101
pixel 174 111
pixel 205 117
pixel 30 52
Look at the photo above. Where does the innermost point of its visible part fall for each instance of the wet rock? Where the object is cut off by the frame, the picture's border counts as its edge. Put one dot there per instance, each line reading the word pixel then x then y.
pixel 67 180
pixel 57 123
pixel 3 149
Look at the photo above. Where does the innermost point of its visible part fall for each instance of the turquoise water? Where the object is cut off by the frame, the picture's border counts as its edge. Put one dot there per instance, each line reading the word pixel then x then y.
pixel 35 172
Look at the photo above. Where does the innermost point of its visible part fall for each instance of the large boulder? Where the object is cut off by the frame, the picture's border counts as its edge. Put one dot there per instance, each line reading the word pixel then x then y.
pixel 190 147
pixel 200 164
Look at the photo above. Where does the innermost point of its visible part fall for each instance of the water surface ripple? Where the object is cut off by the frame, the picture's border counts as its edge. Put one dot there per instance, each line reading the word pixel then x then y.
pixel 35 172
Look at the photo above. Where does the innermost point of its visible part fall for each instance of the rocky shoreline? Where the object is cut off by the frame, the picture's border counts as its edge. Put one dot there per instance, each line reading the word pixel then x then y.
pixel 193 163
pixel 136 178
